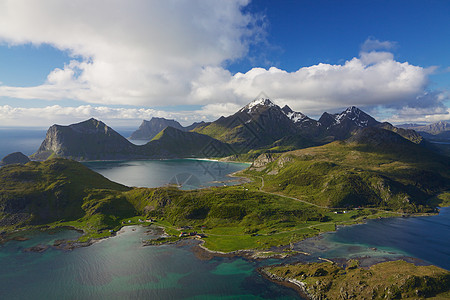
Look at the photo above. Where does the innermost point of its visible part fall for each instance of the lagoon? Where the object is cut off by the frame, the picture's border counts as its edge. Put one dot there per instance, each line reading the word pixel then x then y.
pixel 187 173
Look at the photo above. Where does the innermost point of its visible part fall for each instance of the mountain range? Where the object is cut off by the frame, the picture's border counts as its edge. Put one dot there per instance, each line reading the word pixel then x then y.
pixel 94 140
pixel 260 126
pixel 149 129
pixel 435 128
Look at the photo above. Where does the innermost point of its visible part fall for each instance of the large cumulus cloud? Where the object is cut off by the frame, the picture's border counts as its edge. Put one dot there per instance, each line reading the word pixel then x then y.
pixel 160 53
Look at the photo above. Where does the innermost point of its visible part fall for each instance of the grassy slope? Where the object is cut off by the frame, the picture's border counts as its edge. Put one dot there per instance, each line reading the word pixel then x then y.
pixel 390 280
pixel 240 217
pixel 59 190
pixel 340 174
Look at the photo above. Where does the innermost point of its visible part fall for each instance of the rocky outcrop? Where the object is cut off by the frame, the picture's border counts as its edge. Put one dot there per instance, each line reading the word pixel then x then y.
pixel 263 160
pixel 14 158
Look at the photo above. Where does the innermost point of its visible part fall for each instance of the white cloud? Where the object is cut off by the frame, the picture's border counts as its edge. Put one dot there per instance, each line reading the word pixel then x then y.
pixel 161 53
pixel 420 115
pixel 115 117
pixel 137 52
pixel 375 78
pixel 372 44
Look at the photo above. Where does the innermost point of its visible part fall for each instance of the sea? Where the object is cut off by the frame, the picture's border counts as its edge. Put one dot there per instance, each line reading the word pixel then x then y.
pixel 121 268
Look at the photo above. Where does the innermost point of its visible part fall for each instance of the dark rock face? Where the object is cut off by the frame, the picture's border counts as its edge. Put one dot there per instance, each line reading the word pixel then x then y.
pixel 408 134
pixel 344 124
pixel 301 121
pixel 14 158
pixel 376 137
pixel 88 140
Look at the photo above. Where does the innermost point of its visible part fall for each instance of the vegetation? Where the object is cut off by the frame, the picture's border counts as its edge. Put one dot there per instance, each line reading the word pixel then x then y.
pixel 62 191
pixel 389 280
pixel 342 174
pixel 293 195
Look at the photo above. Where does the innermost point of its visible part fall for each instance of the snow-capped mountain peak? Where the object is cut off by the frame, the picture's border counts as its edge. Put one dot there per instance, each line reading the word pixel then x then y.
pixel 260 102
pixel 296 117
pixel 355 115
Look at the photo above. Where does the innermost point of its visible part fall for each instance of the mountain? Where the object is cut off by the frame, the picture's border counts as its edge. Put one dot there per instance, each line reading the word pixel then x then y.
pixel 410 125
pixel 194 125
pixel 302 121
pixel 343 124
pixel 88 140
pixel 174 143
pixel 259 123
pixel 438 134
pixel 260 126
pixel 149 129
pixel 373 168
pixel 14 158
pixel 434 129
pixel 408 134
pixel 94 140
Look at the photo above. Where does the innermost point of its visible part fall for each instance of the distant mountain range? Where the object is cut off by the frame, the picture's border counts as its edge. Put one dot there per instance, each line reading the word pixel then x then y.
pixel 149 129
pixel 435 128
pixel 260 126
pixel 438 133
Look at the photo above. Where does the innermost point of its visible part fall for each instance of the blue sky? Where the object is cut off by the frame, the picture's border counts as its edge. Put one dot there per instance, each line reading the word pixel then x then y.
pixel 122 61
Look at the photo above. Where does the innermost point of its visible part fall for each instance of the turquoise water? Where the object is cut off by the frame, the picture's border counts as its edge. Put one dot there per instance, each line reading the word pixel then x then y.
pixel 120 268
pixel 188 173
pixel 425 238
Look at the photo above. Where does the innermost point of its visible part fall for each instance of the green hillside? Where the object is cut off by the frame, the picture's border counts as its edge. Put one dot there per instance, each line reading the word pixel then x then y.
pixel 59 190
pixel 375 168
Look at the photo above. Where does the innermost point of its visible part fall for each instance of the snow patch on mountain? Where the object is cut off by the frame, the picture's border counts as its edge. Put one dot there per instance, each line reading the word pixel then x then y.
pixel 252 106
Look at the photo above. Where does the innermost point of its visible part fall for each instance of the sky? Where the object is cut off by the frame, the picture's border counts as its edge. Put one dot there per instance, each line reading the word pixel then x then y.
pixel 122 61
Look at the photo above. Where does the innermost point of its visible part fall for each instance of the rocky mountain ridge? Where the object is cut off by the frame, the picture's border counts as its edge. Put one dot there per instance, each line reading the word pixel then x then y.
pixel 260 126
